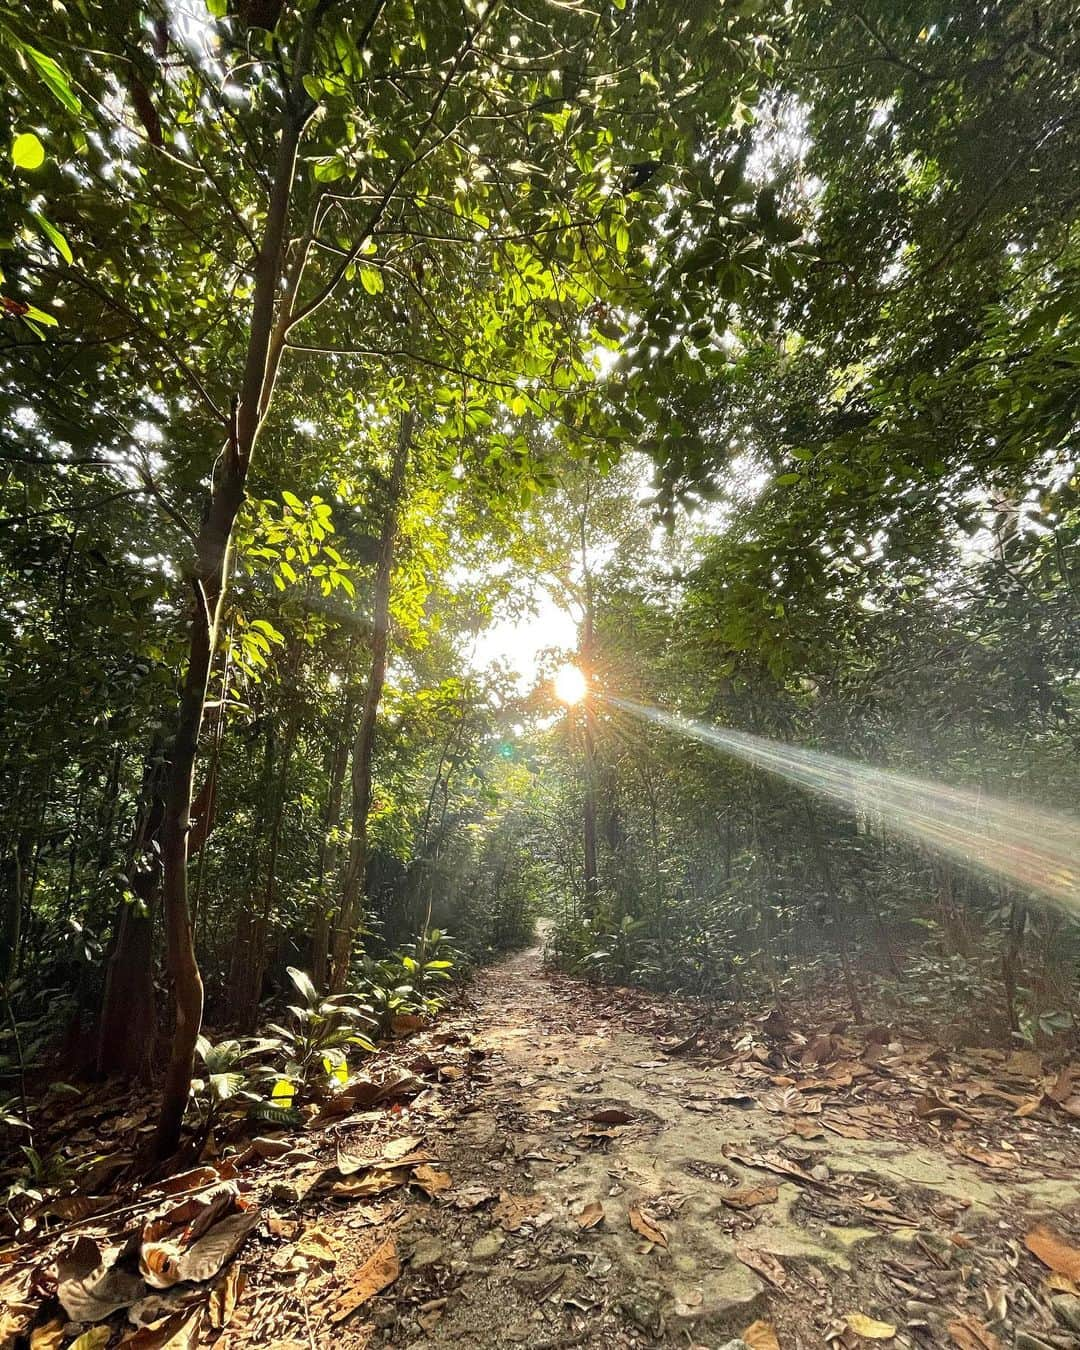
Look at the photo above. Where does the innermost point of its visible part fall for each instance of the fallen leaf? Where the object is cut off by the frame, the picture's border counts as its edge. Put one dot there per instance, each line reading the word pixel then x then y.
pixel 649 1230
pixel 399 1148
pixel 761 1335
pixel 790 1101
pixel 93 1339
pixel 179 1332
pixel 750 1196
pixel 318 1245
pixel 770 1162
pixel 90 1288
pixel 203 1259
pixel 269 1148
pixel 431 1180
pixel 373 1183
pixel 225 1295
pixel 847 1129
pixel 765 1263
pixel 1054 1251
pixel 48 1336
pixel 379 1271
pixel 514 1210
pixel 868 1328
pixel 611 1115
pixel 591 1215
pixel 1061 1284
pixel 970 1334
pixel 1002 1162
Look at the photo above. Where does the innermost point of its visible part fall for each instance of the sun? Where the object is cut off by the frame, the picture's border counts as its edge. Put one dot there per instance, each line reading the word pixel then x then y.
pixel 571 685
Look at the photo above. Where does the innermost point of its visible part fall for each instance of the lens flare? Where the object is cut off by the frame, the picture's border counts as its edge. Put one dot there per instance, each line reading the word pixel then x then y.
pixel 1025 846
pixel 571 686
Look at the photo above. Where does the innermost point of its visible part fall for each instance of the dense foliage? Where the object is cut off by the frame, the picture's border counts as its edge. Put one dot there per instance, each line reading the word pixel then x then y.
pixel 324 324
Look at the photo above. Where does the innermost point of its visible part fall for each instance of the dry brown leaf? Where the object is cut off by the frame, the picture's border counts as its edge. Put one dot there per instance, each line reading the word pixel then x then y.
pixel 225 1295
pixel 761 1335
pixel 869 1328
pixel 611 1115
pixel 179 1332
pixel 770 1162
pixel 203 1259
pixel 790 1101
pixel 847 1129
pixel 514 1210
pixel 591 1215
pixel 377 1273
pixel 398 1149
pixel 89 1289
pixel 970 1334
pixel 269 1148
pixel 373 1183
pixel 48 1336
pixel 750 1196
pixel 188 1181
pixel 1061 1284
pixel 764 1263
pixel 1000 1162
pixel 650 1231
pixel 1054 1251
pixel 318 1245
pixel 431 1180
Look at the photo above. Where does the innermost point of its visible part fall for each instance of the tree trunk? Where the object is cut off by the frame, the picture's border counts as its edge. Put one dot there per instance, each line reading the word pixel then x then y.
pixel 128 1017
pixel 209 583
pixel 364 744
pixel 330 849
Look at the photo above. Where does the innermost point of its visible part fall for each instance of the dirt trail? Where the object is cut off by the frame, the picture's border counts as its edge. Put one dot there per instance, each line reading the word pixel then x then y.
pixel 576 1105
pixel 553 1164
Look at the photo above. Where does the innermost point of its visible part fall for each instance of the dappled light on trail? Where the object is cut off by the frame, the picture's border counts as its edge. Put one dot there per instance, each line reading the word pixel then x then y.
pixel 1024 846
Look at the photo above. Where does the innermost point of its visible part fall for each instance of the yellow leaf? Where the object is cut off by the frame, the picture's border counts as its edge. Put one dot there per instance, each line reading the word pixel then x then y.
pixel 868 1328
pixel 761 1335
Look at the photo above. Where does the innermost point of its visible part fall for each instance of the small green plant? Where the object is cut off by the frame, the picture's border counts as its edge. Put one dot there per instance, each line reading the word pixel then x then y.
pixel 320 1033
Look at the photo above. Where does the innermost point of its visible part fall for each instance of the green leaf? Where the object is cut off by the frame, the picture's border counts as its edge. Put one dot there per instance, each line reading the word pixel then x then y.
pixel 303 983
pixel 27 152
pixel 55 78
pixel 292 500
pixel 371 280
pixel 39 316
pixel 55 237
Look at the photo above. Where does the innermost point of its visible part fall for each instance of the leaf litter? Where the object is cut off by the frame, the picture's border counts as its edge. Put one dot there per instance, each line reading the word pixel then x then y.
pixel 510 1216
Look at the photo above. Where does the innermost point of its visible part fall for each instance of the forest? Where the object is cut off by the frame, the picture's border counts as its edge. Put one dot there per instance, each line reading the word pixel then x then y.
pixel 539 673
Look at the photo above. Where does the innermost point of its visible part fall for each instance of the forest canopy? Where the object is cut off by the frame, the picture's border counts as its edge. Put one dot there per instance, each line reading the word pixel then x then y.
pixel 339 340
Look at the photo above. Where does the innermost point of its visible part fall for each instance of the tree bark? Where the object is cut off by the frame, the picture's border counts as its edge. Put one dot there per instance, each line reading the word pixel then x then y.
pixel 330 849
pixel 209 583
pixel 128 1020
pixel 364 743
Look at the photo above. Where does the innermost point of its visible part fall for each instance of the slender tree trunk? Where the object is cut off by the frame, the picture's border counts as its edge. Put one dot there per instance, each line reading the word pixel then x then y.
pixel 589 814
pixel 364 744
pixel 330 849
pixel 209 583
pixel 280 791
pixel 128 1022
